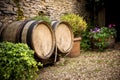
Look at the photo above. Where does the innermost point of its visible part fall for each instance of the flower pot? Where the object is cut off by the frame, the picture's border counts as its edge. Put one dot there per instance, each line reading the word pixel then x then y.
pixel 75 51
pixel 110 42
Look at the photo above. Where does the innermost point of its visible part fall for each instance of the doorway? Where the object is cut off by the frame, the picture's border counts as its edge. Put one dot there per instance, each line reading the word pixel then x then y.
pixel 112 15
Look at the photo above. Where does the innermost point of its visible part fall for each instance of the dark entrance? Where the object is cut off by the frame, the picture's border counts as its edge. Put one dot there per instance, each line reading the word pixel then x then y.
pixel 112 14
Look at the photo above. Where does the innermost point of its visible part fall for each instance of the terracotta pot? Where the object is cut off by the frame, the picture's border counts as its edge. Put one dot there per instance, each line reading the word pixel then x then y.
pixel 75 51
pixel 110 42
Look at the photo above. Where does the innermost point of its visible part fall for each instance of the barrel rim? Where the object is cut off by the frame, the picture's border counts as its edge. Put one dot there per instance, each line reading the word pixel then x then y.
pixel 53 39
pixel 55 24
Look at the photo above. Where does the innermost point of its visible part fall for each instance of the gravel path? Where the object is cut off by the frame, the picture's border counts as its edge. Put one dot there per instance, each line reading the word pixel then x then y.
pixel 88 66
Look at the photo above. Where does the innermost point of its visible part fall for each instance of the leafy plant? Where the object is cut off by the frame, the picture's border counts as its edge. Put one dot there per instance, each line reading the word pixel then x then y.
pixel 77 23
pixel 99 36
pixel 44 18
pixel 85 42
pixel 17 62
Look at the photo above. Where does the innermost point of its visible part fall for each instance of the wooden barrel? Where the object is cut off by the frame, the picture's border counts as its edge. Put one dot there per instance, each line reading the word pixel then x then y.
pixel 1 29
pixel 37 34
pixel 9 32
pixel 63 35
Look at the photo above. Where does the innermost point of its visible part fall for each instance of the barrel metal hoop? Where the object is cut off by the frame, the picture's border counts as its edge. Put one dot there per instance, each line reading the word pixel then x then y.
pixel 21 29
pixel 54 25
pixel 29 36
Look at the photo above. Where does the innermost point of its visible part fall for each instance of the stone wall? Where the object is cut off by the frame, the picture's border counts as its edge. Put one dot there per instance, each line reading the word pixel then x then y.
pixel 30 8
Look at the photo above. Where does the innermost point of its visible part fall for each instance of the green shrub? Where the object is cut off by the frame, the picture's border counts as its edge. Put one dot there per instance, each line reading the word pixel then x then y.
pixel 17 62
pixel 85 42
pixel 77 23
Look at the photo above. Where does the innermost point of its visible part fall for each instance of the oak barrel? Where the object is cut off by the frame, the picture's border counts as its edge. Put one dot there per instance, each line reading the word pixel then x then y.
pixel 63 35
pixel 37 34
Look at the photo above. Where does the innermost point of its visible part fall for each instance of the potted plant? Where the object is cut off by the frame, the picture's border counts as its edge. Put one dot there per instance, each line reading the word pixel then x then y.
pixel 102 37
pixel 78 25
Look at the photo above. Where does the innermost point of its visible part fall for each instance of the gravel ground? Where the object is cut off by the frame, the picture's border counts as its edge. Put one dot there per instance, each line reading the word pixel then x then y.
pixel 89 65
